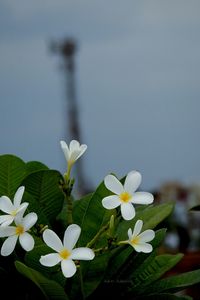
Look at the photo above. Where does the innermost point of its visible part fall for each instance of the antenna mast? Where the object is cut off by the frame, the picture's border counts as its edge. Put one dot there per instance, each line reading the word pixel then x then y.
pixel 67 49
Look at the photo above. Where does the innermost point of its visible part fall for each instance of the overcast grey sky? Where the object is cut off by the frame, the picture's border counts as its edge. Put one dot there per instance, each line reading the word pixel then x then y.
pixel 138 85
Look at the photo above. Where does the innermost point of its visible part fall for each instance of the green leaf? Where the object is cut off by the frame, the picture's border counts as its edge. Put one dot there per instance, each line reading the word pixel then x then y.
pixel 151 216
pixel 34 206
pixel 151 270
pixel 79 208
pixel 196 207
pixel 118 260
pixel 44 187
pixel 32 260
pixel 50 289
pixel 176 283
pixel 125 258
pixel 12 172
pixel 93 273
pixel 33 166
pixel 91 215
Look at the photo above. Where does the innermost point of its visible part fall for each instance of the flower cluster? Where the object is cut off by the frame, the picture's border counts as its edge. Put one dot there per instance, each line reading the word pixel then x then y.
pixel 15 226
pixel 126 196
pixel 15 214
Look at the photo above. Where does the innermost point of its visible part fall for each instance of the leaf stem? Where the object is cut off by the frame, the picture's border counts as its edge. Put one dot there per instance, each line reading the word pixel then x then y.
pixel 67 189
pixel 96 237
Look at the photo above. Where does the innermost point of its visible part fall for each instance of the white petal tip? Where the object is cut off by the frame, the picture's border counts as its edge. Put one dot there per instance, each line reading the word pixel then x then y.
pixel 21 188
pixel 63 143
pixel 128 218
pixel 92 255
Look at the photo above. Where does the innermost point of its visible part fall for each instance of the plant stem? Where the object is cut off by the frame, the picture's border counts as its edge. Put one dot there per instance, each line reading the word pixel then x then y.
pixel 95 238
pixel 67 174
pixel 69 209
pixel 67 189
pixel 99 250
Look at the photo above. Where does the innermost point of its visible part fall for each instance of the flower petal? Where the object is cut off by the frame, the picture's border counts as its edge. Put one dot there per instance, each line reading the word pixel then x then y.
pixel 137 228
pixel 6 204
pixel 65 149
pixel 147 236
pixel 29 220
pixel 20 212
pixel 82 253
pixel 127 211
pixel 111 202
pixel 22 208
pixel 74 146
pixel 130 234
pixel 76 153
pixel 142 198
pixel 144 247
pixel 7 231
pixel 71 236
pixel 18 196
pixel 83 148
pixel 9 245
pixel 113 184
pixel 50 260
pixel 26 241
pixel 6 220
pixel 52 240
pixel 74 156
pixel 132 181
pixel 68 268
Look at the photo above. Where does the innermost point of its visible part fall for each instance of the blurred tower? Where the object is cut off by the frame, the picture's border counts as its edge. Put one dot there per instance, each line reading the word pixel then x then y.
pixel 67 49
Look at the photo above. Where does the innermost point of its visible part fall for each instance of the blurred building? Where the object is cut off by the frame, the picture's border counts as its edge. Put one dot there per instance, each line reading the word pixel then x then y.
pixel 183 225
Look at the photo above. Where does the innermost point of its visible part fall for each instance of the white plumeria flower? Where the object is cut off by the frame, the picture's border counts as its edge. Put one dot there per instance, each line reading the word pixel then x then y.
pixel 12 209
pixel 139 241
pixel 125 195
pixel 65 254
pixel 73 152
pixel 18 231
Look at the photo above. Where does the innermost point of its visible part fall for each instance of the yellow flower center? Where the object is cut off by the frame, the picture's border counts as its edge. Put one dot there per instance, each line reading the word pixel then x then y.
pixel 125 197
pixel 64 254
pixel 135 240
pixel 14 212
pixel 19 230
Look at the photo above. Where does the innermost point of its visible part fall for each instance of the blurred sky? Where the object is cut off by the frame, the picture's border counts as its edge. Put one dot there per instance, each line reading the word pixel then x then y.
pixel 138 85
